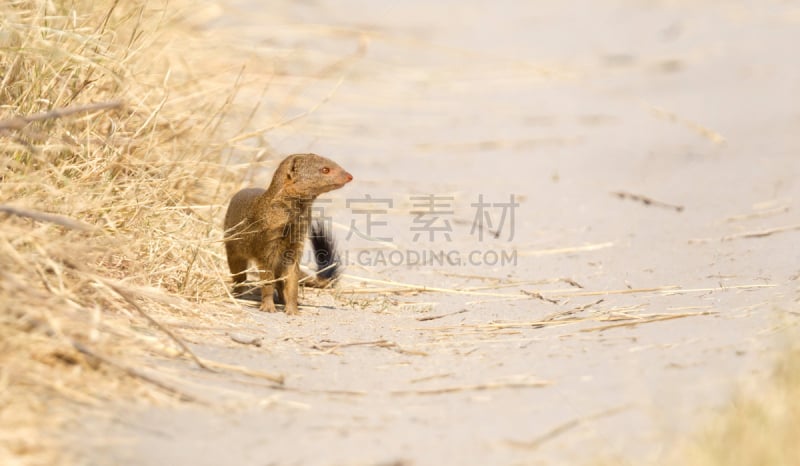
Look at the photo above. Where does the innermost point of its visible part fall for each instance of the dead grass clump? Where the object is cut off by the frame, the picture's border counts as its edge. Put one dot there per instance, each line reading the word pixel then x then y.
pixel 759 427
pixel 108 215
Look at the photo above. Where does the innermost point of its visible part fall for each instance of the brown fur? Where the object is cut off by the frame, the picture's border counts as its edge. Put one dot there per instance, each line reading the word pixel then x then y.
pixel 269 226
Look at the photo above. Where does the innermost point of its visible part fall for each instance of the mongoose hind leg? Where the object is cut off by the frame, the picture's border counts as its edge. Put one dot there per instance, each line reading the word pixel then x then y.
pixel 267 288
pixel 238 266
pixel 278 295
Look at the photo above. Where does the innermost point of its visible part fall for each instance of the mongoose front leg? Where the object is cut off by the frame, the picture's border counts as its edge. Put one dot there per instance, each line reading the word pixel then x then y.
pixel 267 288
pixel 290 286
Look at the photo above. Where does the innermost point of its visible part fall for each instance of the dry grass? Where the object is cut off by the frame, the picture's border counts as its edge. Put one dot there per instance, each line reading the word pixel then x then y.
pixel 760 426
pixel 109 217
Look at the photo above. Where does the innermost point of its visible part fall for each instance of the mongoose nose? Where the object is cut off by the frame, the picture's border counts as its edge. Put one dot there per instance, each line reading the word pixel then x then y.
pixel 348 177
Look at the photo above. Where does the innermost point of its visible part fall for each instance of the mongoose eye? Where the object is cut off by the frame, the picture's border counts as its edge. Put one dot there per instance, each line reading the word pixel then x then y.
pixel 325 170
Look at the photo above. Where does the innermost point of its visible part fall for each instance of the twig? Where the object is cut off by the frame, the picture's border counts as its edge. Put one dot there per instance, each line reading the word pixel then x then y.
pixel 762 233
pixel 491 326
pixel 409 287
pixel 565 427
pixel 419 288
pixel 427 318
pixel 554 317
pixel 476 387
pixel 646 200
pixel 332 392
pixel 329 347
pixel 588 305
pixel 18 123
pixel 133 372
pixel 277 378
pixel 753 286
pixel 570 281
pixel 498 286
pixel 537 295
pixel 552 320
pixel 569 250
pixel 763 213
pixel 126 295
pixel 431 377
pixel 607 292
pixel 62 220
pixel 314 273
pixel 707 133
pixel 658 318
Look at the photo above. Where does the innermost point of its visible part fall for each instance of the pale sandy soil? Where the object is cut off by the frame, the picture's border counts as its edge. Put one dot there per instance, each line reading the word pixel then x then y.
pixel 692 104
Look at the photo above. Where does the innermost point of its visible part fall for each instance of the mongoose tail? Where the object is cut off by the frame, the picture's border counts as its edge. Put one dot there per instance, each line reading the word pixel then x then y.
pixel 326 256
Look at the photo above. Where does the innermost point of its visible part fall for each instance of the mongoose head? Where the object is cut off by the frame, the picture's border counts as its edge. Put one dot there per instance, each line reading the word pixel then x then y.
pixel 309 175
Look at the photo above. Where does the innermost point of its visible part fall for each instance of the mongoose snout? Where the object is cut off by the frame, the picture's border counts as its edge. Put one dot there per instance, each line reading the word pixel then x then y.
pixel 342 176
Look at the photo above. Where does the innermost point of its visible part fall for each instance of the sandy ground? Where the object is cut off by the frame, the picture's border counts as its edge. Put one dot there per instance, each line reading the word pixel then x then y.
pixel 692 105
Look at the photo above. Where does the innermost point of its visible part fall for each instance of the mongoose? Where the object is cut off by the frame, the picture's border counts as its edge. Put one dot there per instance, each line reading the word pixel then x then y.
pixel 269 228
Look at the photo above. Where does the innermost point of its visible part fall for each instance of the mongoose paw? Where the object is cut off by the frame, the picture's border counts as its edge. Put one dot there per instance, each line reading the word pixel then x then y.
pixel 292 310
pixel 267 307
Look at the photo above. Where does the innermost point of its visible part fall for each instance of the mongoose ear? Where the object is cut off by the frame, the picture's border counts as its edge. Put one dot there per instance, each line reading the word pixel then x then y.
pixel 291 171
